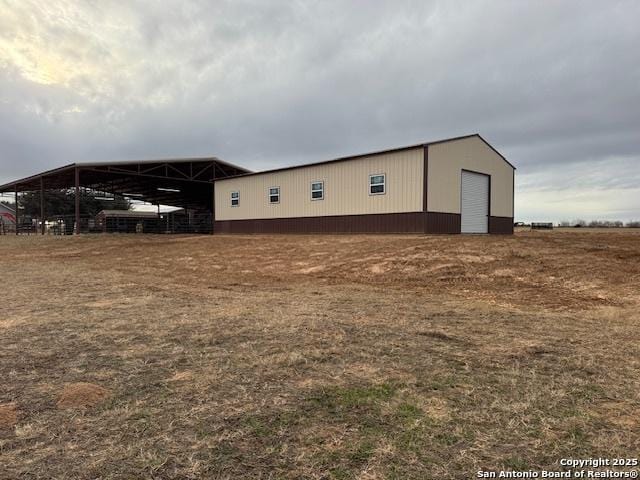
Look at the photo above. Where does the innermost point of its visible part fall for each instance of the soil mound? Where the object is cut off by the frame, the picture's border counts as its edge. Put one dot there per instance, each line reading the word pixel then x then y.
pixel 8 415
pixel 82 395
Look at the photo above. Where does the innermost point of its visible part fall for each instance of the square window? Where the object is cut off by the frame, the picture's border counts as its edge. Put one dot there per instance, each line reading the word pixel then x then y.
pixel 274 195
pixel 377 184
pixel 317 190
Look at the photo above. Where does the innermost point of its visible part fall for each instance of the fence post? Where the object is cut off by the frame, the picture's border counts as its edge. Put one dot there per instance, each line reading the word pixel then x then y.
pixel 42 205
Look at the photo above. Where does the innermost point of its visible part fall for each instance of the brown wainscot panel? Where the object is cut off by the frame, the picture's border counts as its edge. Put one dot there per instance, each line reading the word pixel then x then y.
pixel 412 222
pixel 501 225
pixel 438 222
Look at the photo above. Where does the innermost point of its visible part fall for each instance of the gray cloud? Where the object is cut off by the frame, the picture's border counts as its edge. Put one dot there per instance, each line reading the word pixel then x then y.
pixel 553 85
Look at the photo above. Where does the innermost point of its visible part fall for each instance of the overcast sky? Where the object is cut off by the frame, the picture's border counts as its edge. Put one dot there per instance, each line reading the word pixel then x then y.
pixel 553 85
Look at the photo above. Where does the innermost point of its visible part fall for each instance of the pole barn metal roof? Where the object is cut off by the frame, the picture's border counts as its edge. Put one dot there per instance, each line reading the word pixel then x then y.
pixel 186 182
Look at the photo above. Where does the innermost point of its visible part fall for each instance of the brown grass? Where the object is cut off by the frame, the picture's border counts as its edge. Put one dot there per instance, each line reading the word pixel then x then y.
pixel 319 356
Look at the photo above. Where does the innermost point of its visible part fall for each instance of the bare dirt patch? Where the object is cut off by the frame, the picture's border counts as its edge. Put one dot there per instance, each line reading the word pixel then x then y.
pixel 9 414
pixel 82 395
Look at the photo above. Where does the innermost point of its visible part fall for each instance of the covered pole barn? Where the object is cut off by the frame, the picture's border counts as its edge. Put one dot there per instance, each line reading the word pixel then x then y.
pixel 186 183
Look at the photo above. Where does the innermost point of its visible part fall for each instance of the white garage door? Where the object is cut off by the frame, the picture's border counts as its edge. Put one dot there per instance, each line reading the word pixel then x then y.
pixel 475 203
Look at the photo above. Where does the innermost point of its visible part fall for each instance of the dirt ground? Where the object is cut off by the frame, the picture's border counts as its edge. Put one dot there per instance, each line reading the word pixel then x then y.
pixel 317 356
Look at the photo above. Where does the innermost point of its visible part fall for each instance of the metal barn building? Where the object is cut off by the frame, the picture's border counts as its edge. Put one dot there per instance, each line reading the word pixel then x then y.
pixel 457 185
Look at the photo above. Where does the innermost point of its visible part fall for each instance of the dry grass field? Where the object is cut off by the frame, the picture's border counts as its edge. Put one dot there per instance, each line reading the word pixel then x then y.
pixel 316 356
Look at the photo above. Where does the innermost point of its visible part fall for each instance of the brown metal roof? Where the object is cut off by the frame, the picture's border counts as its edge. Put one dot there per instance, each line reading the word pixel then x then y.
pixel 182 182
pixel 8 187
pixel 378 152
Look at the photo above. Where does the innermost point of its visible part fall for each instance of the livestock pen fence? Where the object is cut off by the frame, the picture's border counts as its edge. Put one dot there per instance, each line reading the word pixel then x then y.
pixel 164 223
pixel 7 228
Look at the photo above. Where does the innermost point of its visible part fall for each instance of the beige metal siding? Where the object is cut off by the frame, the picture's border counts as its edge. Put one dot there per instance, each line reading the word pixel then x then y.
pixel 346 189
pixel 446 162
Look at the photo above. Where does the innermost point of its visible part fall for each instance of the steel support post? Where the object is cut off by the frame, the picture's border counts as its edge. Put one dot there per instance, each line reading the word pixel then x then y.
pixel 77 185
pixel 42 229
pixel 16 205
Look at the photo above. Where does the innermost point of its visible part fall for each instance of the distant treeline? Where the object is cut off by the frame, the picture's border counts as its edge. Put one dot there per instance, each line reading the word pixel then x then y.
pixel 599 224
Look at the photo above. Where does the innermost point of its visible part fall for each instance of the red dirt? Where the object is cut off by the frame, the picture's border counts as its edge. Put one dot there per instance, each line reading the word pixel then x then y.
pixel 9 414
pixel 82 395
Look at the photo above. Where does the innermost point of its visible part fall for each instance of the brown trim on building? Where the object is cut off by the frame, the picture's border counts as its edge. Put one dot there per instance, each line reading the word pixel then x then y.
pixel 496 151
pixel 425 181
pixel 425 187
pixel 489 200
pixel 438 222
pixel 501 225
pixel 411 222
pixel 513 194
